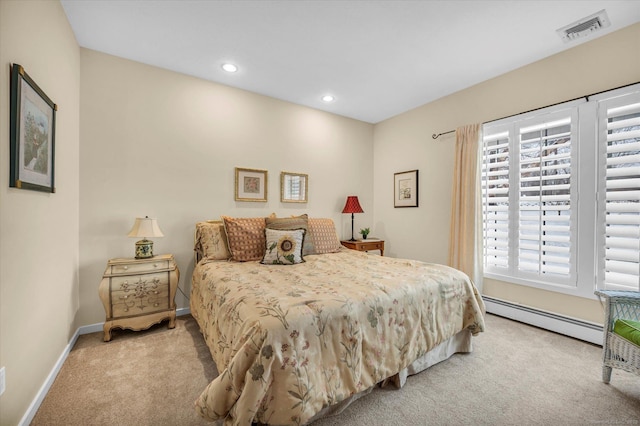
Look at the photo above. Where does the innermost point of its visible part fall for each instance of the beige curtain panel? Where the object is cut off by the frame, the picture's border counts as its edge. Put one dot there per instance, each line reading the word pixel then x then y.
pixel 465 238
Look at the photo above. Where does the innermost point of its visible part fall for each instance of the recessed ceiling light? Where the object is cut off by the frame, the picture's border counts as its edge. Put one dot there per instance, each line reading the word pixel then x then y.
pixel 229 67
pixel 328 98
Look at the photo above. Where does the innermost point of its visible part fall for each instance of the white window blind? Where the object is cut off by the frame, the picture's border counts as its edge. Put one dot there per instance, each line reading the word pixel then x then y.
pixel 495 199
pixel 527 196
pixel 544 209
pixel 619 202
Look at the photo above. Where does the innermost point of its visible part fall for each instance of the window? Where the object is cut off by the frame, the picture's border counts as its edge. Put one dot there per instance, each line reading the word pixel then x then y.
pixel 561 195
pixel 619 184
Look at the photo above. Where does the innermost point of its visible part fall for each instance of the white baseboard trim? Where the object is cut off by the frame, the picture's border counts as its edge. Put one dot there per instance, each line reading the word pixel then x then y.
pixel 35 404
pixel 573 327
pixel 85 329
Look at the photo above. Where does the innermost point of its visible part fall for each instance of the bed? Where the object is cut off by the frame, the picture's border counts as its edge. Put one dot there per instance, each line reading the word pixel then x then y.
pixel 300 341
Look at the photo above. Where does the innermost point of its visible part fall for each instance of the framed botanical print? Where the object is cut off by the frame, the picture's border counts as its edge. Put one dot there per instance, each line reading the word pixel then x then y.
pixel 405 191
pixel 32 134
pixel 251 185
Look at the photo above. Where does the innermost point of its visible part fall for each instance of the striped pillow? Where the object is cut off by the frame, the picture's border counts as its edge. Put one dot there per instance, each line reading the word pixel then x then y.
pixel 324 236
pixel 246 237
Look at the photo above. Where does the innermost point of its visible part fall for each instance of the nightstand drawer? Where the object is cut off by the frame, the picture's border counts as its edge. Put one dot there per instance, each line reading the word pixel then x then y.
pixel 133 268
pixel 378 245
pixel 139 295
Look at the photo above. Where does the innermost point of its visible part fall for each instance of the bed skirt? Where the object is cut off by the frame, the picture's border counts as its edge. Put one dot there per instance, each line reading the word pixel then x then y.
pixel 459 343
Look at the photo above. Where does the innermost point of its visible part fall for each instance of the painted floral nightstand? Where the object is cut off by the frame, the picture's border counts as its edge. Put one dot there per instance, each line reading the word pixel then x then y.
pixel 137 293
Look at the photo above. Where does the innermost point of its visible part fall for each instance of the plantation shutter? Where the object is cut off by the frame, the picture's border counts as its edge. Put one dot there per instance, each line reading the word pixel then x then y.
pixel 619 206
pixel 495 198
pixel 545 197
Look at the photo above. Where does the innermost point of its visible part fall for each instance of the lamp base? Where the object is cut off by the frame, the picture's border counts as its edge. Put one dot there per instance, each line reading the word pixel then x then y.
pixel 144 249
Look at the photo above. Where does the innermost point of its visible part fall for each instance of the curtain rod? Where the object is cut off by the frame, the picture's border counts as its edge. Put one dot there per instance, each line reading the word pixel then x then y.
pixel 436 136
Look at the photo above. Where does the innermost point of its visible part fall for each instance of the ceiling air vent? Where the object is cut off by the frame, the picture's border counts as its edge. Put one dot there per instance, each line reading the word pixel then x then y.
pixel 584 26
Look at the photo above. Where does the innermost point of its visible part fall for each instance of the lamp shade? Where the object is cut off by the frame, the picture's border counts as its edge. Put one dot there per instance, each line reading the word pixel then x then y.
pixel 145 227
pixel 352 205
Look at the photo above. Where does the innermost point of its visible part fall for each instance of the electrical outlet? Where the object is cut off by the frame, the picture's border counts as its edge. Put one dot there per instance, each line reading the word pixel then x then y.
pixel 1 380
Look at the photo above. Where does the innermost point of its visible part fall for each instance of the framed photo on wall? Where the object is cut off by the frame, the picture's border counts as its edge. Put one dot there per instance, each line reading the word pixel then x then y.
pixel 32 134
pixel 251 185
pixel 405 186
pixel 294 187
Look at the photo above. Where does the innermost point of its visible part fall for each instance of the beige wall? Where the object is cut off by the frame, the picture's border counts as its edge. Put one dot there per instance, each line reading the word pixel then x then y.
pixel 404 143
pixel 38 231
pixel 165 145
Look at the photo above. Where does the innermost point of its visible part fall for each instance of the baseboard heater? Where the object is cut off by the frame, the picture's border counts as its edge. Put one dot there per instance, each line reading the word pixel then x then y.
pixel 579 329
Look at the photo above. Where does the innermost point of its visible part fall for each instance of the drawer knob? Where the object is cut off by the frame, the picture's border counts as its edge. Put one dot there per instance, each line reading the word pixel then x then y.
pixel 126 267
pixel 155 265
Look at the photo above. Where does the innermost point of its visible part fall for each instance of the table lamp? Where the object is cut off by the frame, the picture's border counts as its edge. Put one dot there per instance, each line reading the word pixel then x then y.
pixel 145 227
pixel 352 206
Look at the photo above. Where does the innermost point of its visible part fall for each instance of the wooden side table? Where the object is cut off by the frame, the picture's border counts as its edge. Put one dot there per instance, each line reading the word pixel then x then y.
pixel 365 245
pixel 137 293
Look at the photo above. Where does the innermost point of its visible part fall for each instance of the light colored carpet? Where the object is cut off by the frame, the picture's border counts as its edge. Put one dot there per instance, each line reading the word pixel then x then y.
pixel 517 374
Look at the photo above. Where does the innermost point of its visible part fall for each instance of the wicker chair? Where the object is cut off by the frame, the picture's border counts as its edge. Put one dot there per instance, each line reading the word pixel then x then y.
pixel 618 352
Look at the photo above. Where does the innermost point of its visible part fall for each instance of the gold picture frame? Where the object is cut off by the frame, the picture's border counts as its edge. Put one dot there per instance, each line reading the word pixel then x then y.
pixel 251 185
pixel 294 187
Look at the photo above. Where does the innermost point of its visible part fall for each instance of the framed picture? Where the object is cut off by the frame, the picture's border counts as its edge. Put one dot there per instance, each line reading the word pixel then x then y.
pixel 405 186
pixel 293 187
pixel 32 134
pixel 251 185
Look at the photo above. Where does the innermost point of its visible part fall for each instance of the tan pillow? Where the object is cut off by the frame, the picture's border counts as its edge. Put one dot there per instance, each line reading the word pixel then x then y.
pixel 324 235
pixel 211 240
pixel 246 237
pixel 294 222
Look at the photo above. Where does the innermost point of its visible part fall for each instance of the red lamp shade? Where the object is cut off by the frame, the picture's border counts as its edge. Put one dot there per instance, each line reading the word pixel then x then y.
pixel 352 205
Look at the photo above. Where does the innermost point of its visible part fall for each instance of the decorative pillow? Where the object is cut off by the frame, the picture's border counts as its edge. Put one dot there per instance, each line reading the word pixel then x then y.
pixel 324 236
pixel 628 329
pixel 211 240
pixel 294 222
pixel 245 237
pixel 284 247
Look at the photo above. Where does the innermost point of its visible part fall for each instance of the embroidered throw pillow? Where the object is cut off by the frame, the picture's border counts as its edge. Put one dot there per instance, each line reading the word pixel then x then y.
pixel 294 222
pixel 245 237
pixel 211 240
pixel 283 246
pixel 324 235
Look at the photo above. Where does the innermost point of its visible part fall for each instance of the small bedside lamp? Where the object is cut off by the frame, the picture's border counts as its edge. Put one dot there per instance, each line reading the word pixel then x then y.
pixel 352 206
pixel 145 227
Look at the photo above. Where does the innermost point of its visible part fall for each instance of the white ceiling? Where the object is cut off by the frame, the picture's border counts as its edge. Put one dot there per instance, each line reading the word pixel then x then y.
pixel 378 58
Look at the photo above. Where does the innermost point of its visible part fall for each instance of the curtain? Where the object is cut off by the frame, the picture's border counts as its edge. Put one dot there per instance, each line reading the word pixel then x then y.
pixel 465 237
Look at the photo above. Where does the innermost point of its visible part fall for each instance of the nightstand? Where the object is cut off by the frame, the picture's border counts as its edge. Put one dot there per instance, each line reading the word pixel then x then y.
pixel 138 293
pixel 365 245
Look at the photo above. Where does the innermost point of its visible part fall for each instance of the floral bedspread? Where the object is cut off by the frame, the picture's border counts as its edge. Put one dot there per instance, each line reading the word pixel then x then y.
pixel 291 340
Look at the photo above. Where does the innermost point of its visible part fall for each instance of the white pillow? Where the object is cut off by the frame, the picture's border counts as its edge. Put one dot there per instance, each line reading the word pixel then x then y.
pixel 284 246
